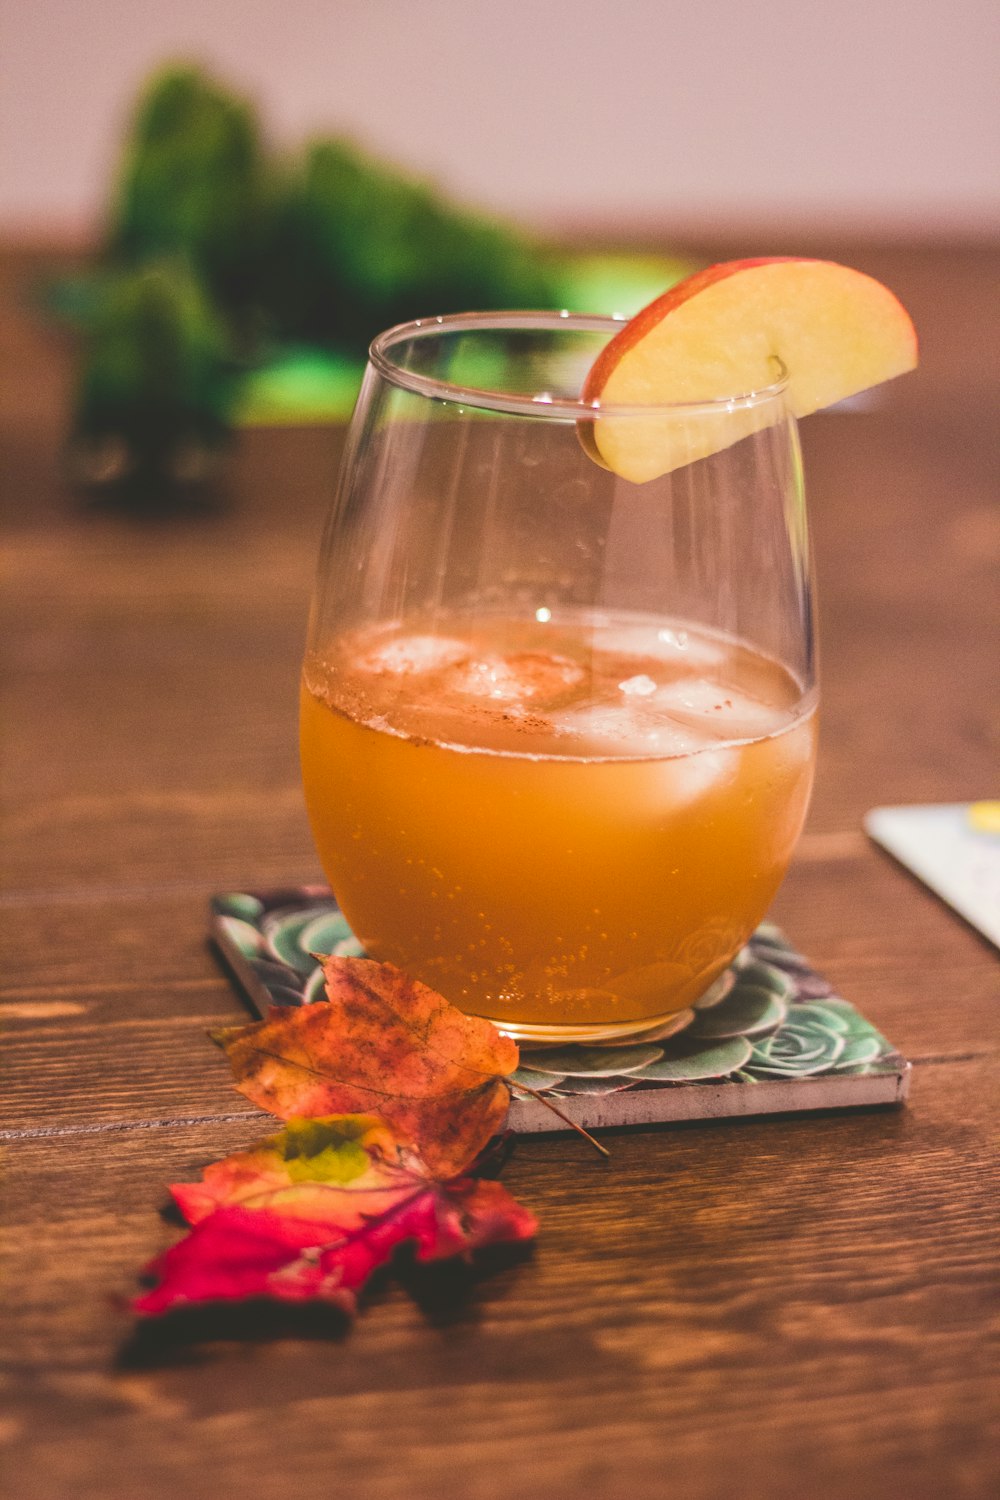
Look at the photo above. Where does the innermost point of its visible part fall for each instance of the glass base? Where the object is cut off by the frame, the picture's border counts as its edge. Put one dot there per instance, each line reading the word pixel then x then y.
pixel 614 1034
pixel 650 1029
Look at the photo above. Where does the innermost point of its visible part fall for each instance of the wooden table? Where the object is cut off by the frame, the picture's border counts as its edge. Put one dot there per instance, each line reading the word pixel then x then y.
pixel 773 1308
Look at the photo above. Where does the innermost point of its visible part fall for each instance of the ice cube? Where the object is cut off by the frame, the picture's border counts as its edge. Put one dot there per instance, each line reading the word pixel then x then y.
pixel 619 729
pixel 527 677
pixel 689 777
pixel 721 709
pixel 410 655
pixel 792 750
pixel 690 763
pixel 669 643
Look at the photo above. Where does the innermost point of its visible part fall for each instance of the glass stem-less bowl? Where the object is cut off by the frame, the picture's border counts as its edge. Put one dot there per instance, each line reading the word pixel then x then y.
pixel 558 726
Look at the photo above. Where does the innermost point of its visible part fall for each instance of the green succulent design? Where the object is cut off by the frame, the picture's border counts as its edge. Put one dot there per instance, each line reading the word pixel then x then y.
pixel 819 1036
pixel 771 1017
pixel 716 1044
pixel 278 936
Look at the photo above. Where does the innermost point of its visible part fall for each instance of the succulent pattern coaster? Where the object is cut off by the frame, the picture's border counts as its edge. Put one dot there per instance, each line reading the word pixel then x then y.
pixel 769 1036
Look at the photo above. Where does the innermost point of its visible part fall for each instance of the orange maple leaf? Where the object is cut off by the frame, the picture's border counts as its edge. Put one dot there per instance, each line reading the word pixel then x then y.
pixel 381 1044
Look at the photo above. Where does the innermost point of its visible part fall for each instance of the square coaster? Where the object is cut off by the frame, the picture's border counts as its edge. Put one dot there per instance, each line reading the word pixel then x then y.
pixel 771 1037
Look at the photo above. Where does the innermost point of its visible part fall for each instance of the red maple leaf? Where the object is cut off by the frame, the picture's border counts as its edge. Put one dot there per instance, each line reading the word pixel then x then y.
pixel 310 1213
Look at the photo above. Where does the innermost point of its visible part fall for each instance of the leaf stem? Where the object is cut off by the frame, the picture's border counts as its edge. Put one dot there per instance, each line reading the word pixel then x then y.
pixel 525 1088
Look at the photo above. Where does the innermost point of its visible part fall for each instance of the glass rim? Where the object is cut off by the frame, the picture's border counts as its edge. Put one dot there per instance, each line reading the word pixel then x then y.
pixel 543 403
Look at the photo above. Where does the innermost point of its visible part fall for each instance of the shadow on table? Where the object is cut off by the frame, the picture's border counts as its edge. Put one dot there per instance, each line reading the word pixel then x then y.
pixel 444 1291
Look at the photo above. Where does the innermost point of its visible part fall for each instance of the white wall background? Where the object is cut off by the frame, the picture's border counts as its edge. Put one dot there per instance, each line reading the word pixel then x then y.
pixel 846 114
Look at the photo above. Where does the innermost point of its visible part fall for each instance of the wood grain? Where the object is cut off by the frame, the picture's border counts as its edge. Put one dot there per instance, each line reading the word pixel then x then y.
pixel 710 1291
pixel 765 1309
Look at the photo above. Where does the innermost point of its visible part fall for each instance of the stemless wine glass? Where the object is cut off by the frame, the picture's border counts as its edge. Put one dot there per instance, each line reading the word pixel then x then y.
pixel 558 726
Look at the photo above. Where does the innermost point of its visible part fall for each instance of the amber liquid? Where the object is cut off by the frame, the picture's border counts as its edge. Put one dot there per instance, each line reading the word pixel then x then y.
pixel 566 823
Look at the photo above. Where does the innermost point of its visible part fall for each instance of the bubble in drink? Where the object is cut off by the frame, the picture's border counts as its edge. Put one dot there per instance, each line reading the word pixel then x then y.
pixel 637 687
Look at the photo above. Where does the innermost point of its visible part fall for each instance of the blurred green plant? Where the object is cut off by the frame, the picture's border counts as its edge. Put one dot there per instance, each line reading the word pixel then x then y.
pixel 357 248
pixel 155 388
pixel 195 184
pixel 218 256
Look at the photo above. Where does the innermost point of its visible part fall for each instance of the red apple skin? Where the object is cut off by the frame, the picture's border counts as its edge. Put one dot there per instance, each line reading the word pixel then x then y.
pixel 639 326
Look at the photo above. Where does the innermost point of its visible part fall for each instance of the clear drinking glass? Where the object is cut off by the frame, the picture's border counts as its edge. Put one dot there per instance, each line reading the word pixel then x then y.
pixel 558 726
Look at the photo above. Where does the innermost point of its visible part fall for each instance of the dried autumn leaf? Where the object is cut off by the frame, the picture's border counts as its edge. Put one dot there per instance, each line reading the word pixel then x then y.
pixel 386 1044
pixel 310 1213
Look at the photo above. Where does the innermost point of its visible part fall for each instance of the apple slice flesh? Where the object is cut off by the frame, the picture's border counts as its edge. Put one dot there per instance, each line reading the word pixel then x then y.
pixel 728 331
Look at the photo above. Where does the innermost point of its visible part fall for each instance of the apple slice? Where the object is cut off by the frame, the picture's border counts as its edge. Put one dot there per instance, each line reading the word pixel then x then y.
pixel 728 331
